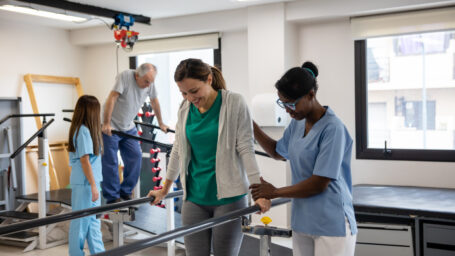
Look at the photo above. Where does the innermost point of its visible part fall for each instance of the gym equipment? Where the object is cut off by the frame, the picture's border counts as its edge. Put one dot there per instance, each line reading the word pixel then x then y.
pixel 404 220
pixel 265 233
pixel 125 37
pixel 186 230
pixel 152 126
pixel 78 214
pixel 43 169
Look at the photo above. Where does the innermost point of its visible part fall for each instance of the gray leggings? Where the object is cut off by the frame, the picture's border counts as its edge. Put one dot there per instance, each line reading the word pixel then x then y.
pixel 226 238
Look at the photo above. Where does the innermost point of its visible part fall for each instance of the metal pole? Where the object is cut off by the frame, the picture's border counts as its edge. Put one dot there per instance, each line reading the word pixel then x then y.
pixel 186 230
pixel 78 214
pixel 264 245
pixel 43 172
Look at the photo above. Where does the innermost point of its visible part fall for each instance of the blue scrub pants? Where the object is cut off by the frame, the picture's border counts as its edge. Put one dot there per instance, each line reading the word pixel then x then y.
pixel 87 228
pixel 131 153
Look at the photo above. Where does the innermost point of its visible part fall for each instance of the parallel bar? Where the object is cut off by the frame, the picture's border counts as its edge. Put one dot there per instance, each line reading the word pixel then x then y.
pixel 152 126
pixel 31 138
pixel 261 153
pixel 79 214
pixel 186 230
pixel 162 146
pixel 173 131
pixel 24 115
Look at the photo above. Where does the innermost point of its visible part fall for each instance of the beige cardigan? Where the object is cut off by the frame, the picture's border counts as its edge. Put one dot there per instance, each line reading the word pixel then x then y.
pixel 236 165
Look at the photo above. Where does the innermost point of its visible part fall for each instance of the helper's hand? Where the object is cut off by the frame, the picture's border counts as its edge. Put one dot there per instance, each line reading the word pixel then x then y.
pixel 95 193
pixel 265 204
pixel 106 129
pixel 263 190
pixel 158 194
pixel 164 127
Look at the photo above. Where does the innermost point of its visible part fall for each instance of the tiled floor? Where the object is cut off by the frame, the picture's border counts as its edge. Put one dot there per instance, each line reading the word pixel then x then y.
pixel 63 250
pixel 155 251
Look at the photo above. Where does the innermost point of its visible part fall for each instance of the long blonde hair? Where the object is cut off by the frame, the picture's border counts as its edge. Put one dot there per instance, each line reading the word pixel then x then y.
pixel 87 112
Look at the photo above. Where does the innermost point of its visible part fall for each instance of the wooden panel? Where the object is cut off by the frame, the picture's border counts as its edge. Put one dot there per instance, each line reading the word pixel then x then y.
pixel 58 179
pixel 54 79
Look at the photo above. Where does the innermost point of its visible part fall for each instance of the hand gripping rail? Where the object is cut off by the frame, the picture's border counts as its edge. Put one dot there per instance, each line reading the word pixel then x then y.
pixel 186 230
pixel 79 214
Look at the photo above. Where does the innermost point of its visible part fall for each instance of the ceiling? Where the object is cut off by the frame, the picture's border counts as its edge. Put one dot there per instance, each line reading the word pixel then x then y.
pixel 155 9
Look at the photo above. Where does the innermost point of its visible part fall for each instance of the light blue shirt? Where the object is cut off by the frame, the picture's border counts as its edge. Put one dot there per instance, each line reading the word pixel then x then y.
pixel 84 146
pixel 325 151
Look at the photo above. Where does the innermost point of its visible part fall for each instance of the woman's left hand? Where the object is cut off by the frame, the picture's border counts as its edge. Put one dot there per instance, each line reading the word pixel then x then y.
pixel 265 204
pixel 263 190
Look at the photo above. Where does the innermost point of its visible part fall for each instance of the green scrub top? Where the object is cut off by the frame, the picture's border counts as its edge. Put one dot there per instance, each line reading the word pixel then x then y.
pixel 202 134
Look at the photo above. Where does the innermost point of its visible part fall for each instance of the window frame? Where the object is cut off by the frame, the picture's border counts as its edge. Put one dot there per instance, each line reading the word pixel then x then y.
pixel 361 103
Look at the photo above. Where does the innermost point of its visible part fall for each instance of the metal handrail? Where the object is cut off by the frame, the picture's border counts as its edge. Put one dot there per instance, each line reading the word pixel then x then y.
pixel 36 134
pixel 164 147
pixel 152 126
pixel 24 115
pixel 79 214
pixel 186 230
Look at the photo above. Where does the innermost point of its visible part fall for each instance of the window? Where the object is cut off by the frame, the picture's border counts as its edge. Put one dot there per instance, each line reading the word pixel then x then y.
pixel 405 96
pixel 168 93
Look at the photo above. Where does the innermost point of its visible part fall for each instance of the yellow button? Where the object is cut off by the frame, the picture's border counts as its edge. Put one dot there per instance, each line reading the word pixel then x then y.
pixel 44 164
pixel 266 220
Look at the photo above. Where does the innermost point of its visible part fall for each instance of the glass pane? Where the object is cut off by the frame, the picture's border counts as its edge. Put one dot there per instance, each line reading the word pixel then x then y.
pixel 411 91
pixel 169 95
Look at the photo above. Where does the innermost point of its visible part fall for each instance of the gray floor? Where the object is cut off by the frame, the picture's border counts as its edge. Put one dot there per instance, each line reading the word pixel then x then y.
pixel 63 250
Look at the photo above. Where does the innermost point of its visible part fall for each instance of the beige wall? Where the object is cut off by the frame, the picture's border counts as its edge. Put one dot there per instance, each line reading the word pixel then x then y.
pixel 329 45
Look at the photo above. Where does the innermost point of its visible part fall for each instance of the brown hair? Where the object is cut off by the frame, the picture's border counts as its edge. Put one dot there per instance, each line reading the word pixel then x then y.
pixel 197 69
pixel 87 112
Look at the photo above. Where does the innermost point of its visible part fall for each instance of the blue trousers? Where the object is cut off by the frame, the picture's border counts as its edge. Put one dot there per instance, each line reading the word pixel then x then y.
pixel 87 228
pixel 131 153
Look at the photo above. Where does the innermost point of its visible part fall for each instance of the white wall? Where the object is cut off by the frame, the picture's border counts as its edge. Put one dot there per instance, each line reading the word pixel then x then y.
pixel 329 45
pixel 235 62
pixel 100 69
pixel 27 48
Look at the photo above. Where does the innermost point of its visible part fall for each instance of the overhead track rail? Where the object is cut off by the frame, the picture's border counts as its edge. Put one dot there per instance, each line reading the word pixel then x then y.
pixel 87 9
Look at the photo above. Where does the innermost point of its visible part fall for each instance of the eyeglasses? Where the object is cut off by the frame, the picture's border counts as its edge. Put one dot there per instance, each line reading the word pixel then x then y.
pixel 290 105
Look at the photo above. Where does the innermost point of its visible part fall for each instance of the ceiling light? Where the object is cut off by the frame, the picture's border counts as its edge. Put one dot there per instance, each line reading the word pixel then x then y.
pixel 46 14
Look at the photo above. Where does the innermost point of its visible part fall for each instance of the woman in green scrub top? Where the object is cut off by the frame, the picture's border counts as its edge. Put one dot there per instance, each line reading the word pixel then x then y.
pixel 214 154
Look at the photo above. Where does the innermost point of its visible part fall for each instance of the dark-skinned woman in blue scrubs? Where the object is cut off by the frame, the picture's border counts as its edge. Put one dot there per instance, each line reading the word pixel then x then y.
pixel 319 147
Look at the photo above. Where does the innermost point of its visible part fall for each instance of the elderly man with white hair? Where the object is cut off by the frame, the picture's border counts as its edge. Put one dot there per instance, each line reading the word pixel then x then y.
pixel 129 93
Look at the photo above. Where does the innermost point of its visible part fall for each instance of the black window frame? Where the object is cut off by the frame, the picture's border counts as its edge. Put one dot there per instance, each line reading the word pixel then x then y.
pixel 361 103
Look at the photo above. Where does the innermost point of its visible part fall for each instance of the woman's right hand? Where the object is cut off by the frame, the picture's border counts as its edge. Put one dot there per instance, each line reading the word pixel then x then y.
pixel 158 194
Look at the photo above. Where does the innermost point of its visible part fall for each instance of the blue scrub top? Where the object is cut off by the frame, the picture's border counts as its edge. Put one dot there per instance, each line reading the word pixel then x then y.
pixel 324 151
pixel 84 146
